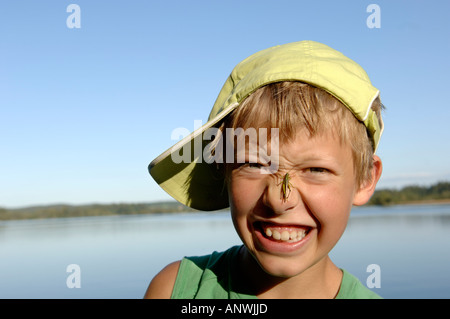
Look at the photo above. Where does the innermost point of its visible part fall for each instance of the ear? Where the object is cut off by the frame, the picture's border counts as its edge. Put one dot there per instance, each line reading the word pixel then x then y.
pixel 366 190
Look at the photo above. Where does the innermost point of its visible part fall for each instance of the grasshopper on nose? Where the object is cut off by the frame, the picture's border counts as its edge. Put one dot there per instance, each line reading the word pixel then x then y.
pixel 285 187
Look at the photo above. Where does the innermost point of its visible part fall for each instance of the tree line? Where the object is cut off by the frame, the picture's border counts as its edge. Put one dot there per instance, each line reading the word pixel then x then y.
pixel 57 211
pixel 411 194
pixel 381 197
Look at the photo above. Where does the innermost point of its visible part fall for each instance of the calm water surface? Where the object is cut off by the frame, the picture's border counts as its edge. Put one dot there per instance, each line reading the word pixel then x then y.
pixel 118 255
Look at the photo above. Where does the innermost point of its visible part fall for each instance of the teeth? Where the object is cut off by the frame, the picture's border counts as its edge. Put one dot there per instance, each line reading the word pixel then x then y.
pixel 276 235
pixel 285 235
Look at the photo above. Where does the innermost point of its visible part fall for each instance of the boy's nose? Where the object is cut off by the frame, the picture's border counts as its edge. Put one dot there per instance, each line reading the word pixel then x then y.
pixel 281 197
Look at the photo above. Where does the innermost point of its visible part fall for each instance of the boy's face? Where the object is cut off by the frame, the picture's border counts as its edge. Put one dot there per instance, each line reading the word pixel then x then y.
pixel 322 191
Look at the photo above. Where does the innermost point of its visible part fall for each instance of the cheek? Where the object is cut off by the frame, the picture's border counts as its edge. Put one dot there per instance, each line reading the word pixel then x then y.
pixel 243 195
pixel 331 207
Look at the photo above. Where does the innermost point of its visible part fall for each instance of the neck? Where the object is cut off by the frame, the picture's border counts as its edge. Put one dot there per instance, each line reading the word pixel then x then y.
pixel 320 281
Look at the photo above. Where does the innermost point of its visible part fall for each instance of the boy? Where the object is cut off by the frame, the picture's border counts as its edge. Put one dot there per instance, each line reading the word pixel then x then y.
pixel 318 116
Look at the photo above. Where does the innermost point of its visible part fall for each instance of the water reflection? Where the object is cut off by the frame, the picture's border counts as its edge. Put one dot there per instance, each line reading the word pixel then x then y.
pixel 411 245
pixel 118 255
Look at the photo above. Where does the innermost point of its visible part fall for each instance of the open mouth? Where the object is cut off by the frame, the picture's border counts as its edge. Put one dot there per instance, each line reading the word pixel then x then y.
pixel 282 233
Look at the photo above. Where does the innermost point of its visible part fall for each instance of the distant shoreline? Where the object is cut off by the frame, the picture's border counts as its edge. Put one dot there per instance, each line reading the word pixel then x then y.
pixel 437 194
pixel 424 202
pixel 65 211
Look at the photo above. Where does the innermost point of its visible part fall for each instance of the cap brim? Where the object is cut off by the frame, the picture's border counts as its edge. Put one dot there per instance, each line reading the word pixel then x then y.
pixel 185 181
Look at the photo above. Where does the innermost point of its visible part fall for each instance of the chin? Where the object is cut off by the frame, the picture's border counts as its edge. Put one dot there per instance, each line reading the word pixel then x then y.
pixel 281 267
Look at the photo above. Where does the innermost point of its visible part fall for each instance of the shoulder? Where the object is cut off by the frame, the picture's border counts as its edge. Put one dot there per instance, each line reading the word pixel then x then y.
pixel 185 278
pixel 162 284
pixel 352 288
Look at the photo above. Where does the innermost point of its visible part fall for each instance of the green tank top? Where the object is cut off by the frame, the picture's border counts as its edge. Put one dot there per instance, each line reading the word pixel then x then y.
pixel 211 277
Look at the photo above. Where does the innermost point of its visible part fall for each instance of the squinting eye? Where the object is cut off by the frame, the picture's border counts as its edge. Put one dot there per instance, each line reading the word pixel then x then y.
pixel 253 165
pixel 250 166
pixel 318 170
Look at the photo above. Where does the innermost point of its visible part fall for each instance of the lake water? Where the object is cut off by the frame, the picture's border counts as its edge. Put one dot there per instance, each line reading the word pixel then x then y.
pixel 118 255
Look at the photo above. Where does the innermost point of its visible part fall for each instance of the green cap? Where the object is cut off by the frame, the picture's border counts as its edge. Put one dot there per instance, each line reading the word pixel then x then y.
pixel 196 183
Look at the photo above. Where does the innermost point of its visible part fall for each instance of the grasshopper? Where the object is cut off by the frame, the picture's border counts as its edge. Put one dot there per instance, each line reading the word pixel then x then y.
pixel 285 187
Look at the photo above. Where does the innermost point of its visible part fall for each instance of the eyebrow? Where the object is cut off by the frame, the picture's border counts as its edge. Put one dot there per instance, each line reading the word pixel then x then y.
pixel 314 159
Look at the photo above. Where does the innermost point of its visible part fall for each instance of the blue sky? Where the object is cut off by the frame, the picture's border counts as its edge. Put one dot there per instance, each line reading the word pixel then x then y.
pixel 83 111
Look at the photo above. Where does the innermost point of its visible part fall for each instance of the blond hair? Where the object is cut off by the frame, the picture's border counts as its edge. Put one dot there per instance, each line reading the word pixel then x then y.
pixel 292 106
